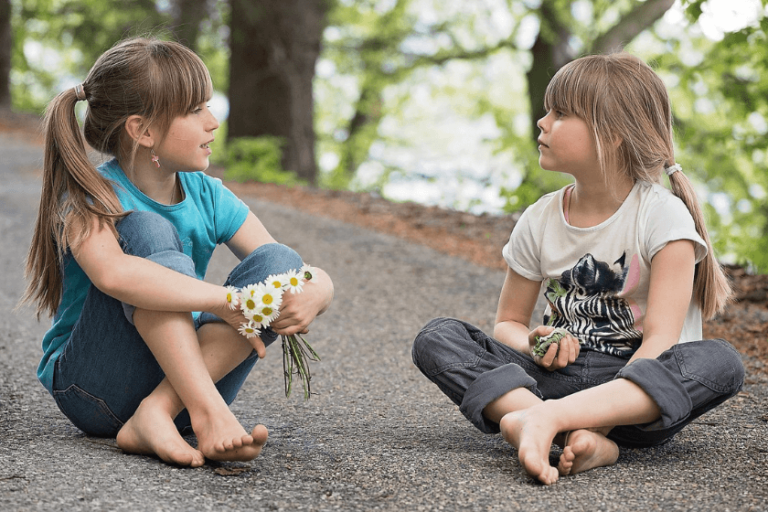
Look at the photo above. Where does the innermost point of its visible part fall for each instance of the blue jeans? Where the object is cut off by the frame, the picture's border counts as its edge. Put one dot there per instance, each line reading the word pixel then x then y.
pixel 106 369
pixel 473 370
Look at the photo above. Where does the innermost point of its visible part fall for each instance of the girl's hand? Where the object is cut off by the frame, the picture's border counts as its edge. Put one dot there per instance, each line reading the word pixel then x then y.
pixel 298 310
pixel 559 355
pixel 235 318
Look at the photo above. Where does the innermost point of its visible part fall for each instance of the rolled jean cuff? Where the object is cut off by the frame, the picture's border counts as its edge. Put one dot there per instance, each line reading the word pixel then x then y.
pixel 173 260
pixel 664 387
pixel 488 387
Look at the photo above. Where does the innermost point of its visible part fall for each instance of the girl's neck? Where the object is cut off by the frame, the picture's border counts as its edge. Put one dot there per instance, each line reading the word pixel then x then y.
pixel 157 184
pixel 591 203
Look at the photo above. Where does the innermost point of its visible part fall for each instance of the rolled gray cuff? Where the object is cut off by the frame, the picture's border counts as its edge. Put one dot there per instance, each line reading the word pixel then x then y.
pixel 664 387
pixel 488 387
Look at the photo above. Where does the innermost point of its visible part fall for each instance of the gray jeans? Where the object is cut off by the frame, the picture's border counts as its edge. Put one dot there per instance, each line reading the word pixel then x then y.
pixel 473 370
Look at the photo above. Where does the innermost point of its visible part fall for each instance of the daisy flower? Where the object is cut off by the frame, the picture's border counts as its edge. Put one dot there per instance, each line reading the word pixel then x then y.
pixel 260 304
pixel 269 314
pixel 249 330
pixel 294 282
pixel 258 320
pixel 232 297
pixel 277 281
pixel 269 296
pixel 248 300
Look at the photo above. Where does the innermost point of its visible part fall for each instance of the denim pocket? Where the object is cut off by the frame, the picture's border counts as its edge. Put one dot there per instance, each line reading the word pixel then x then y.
pixel 89 413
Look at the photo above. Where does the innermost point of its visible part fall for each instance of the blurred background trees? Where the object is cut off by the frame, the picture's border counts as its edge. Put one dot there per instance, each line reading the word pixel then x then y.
pixel 431 100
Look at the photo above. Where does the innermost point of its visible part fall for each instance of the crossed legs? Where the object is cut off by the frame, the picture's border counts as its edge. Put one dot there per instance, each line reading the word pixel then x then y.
pixel 578 423
pixel 192 362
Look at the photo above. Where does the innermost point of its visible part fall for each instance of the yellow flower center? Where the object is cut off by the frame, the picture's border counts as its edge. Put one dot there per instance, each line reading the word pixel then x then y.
pixel 277 284
pixel 229 297
pixel 267 311
pixel 267 299
pixel 294 281
pixel 250 304
pixel 258 318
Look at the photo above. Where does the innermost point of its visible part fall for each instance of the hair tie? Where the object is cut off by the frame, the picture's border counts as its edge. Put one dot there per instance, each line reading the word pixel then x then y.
pixel 80 92
pixel 672 169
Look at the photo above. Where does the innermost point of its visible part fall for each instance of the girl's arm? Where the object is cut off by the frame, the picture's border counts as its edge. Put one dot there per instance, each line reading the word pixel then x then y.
pixel 297 310
pixel 516 304
pixel 141 282
pixel 250 236
pixel 669 296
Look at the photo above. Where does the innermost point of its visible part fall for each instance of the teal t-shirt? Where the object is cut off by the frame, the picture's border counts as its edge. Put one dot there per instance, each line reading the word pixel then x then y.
pixel 209 215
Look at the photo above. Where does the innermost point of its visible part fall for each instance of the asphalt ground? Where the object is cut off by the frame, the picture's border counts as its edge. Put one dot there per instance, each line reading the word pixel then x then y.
pixel 376 435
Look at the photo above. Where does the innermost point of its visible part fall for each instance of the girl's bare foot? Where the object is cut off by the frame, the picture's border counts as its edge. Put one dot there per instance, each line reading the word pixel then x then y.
pixel 221 437
pixel 584 450
pixel 151 431
pixel 532 436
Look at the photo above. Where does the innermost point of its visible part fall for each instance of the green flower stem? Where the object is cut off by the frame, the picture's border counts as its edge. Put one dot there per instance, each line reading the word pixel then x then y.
pixel 296 356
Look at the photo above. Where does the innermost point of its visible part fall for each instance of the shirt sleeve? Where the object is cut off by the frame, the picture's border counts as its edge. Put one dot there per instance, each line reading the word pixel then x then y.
pixel 522 253
pixel 670 220
pixel 230 211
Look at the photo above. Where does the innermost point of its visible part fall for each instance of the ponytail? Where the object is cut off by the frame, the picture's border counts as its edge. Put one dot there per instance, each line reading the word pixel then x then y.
pixel 711 288
pixel 73 193
pixel 157 80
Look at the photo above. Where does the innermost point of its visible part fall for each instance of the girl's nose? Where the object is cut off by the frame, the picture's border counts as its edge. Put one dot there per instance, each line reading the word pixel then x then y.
pixel 213 123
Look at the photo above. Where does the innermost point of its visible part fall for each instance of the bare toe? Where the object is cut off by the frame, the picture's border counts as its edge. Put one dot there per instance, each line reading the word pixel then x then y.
pixel 151 432
pixel 587 450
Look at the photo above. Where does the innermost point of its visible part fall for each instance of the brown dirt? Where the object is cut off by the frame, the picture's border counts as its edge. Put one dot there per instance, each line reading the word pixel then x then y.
pixel 477 239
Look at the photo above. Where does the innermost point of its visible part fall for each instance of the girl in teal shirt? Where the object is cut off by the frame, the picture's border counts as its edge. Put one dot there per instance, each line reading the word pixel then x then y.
pixel 141 348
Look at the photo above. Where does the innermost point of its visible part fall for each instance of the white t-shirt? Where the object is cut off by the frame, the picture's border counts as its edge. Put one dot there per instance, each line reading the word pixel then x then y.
pixel 596 279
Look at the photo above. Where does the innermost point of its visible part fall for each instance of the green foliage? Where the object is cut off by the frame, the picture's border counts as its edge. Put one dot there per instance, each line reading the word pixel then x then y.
pixel 385 58
pixel 212 44
pixel 257 159
pixel 57 41
pixel 65 37
pixel 720 105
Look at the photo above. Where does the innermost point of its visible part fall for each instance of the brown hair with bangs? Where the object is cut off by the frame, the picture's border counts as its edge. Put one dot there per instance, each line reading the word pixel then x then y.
pixel 621 98
pixel 157 80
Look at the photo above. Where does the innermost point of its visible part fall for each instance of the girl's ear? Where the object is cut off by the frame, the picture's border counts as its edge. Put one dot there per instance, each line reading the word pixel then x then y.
pixel 137 130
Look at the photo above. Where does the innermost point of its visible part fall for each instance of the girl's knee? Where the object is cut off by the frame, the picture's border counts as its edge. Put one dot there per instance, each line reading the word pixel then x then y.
pixel 278 258
pixel 714 361
pixel 144 233
pixel 438 343
pixel 265 261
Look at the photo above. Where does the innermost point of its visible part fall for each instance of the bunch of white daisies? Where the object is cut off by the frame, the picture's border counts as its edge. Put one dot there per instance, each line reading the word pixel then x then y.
pixel 260 304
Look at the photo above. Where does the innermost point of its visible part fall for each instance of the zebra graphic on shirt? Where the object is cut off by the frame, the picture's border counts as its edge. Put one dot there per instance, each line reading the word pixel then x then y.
pixel 589 301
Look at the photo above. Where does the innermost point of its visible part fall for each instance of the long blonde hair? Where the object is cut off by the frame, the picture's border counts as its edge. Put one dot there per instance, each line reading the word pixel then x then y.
pixel 621 98
pixel 157 80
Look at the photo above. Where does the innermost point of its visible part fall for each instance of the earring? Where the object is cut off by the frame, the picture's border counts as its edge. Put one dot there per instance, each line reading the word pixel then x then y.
pixel 155 158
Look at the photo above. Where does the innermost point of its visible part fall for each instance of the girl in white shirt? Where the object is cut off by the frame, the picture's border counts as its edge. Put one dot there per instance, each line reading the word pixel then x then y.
pixel 627 269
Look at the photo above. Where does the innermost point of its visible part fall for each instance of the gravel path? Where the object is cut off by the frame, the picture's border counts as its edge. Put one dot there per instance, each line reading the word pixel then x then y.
pixel 377 436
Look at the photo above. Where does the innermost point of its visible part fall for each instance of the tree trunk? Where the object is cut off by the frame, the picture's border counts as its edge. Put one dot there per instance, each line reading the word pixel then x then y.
pixel 187 16
pixel 274 46
pixel 6 49
pixel 550 52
